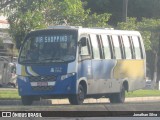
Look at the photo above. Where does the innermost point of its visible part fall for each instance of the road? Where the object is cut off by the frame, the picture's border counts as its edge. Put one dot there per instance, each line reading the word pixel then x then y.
pixel 97 110
pixel 88 111
pixel 129 106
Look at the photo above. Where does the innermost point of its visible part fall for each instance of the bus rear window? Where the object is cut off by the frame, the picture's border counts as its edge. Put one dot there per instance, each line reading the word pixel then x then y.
pixel 137 47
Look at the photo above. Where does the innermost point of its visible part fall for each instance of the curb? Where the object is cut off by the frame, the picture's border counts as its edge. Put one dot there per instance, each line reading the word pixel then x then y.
pixel 106 100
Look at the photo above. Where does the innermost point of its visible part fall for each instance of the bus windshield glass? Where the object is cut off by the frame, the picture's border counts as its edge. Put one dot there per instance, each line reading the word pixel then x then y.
pixel 49 48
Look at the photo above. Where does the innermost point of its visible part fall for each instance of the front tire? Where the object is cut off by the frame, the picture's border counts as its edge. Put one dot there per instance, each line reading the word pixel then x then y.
pixel 118 97
pixel 78 98
pixel 27 100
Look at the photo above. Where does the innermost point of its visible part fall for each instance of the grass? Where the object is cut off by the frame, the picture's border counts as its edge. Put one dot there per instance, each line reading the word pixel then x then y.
pixel 9 94
pixel 13 94
pixel 143 93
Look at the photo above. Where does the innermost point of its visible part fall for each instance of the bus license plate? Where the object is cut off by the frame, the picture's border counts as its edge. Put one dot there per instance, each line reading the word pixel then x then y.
pixel 42 83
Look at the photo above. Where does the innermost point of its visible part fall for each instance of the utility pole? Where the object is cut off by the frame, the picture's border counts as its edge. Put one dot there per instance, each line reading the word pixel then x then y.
pixel 124 11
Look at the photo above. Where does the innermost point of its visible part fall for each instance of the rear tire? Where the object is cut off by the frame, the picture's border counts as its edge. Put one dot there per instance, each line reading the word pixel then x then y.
pixel 27 100
pixel 118 97
pixel 78 98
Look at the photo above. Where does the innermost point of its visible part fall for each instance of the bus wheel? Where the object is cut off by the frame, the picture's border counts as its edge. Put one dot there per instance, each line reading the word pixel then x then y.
pixel 27 100
pixel 118 97
pixel 79 98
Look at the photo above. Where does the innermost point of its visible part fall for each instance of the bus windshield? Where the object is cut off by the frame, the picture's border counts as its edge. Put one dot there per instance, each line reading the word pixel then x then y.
pixel 48 48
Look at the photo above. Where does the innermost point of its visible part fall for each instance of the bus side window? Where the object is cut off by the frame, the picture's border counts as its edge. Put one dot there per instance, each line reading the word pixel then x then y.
pixel 132 47
pixel 106 47
pixel 136 43
pixel 100 46
pixel 127 47
pixel 111 47
pixel 117 47
pixel 122 47
pixel 95 46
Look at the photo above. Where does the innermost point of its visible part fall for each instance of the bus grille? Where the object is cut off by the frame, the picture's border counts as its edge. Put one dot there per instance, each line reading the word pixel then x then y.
pixel 42 88
pixel 42 79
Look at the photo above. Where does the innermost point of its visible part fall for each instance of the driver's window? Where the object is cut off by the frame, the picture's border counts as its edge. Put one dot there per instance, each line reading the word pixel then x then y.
pixel 84 50
pixel 25 50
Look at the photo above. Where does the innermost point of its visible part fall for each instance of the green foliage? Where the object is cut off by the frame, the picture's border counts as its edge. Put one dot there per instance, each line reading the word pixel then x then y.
pixel 146 35
pixel 22 23
pixel 23 16
pixel 69 11
pixel 131 24
pixel 136 8
pixel 95 20
pixel 149 24
pixel 149 29
pixel 27 15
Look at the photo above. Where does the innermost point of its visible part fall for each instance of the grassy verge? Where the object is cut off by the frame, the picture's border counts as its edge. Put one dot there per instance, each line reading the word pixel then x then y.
pixel 143 93
pixel 9 94
pixel 13 94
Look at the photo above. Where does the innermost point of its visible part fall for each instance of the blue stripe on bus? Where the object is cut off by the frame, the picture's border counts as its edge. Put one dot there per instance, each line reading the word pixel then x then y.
pixel 96 69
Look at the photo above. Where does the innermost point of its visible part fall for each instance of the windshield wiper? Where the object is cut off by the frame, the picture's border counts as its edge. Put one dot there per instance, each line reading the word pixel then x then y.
pixel 53 59
pixel 28 61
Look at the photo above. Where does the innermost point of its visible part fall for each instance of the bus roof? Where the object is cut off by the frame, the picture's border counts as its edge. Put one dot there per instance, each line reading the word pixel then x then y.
pixel 96 30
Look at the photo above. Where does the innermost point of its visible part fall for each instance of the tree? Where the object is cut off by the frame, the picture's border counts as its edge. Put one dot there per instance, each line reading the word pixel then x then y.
pixel 23 16
pixel 153 26
pixel 27 15
pixel 136 8
pixel 73 12
pixel 5 3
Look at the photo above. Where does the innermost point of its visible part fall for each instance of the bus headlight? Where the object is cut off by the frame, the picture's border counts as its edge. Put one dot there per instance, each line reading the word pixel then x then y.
pixel 63 77
pixel 23 78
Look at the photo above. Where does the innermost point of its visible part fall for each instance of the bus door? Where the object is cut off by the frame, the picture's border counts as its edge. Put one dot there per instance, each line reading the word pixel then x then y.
pixel 85 65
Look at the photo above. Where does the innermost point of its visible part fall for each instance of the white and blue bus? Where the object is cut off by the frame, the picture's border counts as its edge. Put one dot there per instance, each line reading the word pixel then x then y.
pixel 78 63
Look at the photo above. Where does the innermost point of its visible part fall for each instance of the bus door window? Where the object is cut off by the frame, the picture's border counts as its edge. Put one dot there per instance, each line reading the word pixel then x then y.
pixel 84 48
pixel 127 47
pixel 106 47
pixel 116 46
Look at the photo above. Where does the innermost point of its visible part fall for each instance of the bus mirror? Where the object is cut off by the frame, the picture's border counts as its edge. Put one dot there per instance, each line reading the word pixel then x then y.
pixel 83 41
pixel 18 46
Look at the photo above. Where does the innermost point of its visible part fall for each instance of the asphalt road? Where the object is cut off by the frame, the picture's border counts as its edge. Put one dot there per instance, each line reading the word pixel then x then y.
pixel 90 111
pixel 130 106
pixel 96 110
